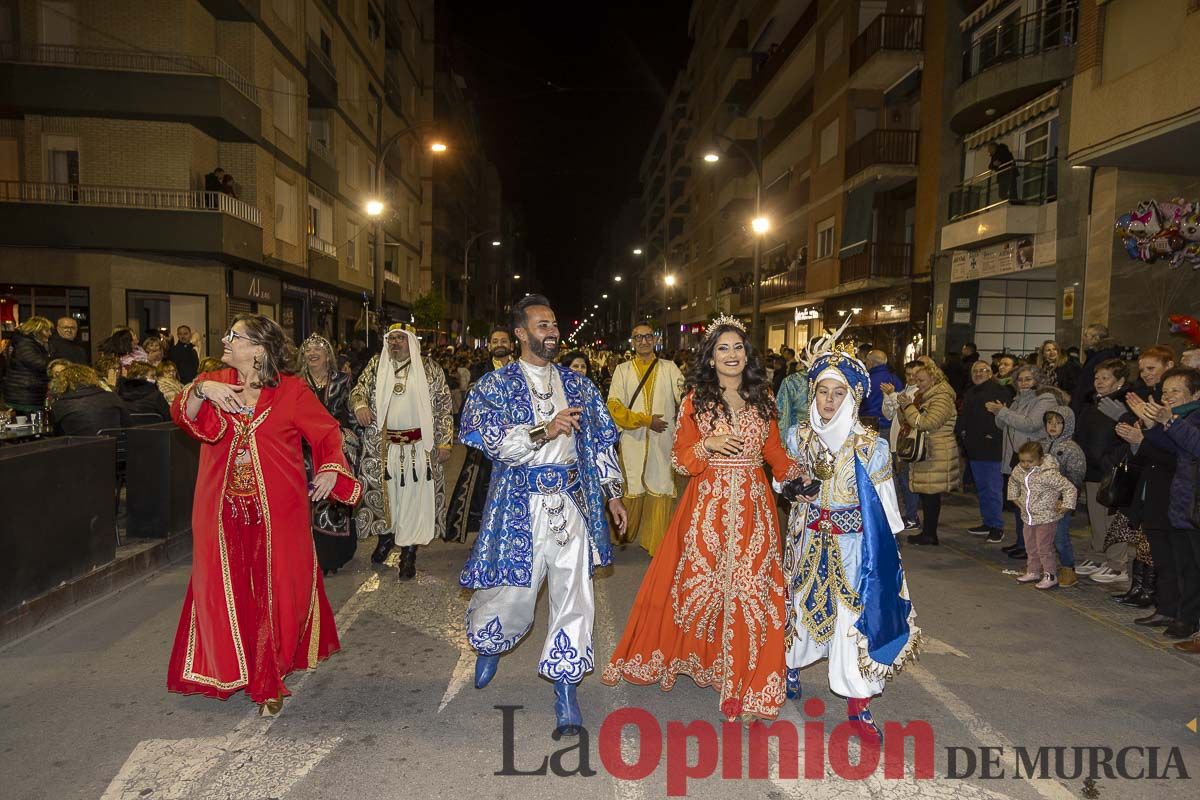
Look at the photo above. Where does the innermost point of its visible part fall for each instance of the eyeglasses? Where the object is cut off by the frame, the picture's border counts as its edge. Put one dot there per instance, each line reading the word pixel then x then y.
pixel 644 337
pixel 229 337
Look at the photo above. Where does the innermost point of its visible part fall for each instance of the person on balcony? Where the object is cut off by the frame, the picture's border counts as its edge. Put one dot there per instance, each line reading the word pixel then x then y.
pixel 1003 165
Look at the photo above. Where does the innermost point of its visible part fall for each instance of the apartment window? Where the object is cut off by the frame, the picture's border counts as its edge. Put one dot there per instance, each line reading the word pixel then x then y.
pixel 286 227
pixel 373 24
pixel 10 159
pixel 286 11
pixel 351 72
pixel 62 159
pixel 58 23
pixel 318 130
pixel 825 238
pixel 320 218
pixel 350 166
pixel 833 44
pixel 829 142
pixel 351 244
pixel 284 103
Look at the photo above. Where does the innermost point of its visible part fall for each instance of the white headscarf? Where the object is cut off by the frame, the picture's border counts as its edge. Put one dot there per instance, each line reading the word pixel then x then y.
pixel 835 432
pixel 417 387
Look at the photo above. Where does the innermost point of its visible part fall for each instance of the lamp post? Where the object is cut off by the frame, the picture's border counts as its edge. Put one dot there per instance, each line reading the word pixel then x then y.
pixel 376 206
pixel 467 275
pixel 760 225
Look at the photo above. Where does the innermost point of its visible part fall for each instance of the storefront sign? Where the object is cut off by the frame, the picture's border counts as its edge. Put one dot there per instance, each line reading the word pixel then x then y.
pixel 1068 307
pixel 939 316
pixel 803 314
pixel 1014 255
pixel 254 288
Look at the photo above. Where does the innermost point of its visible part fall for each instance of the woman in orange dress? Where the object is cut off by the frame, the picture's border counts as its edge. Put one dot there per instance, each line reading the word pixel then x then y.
pixel 712 605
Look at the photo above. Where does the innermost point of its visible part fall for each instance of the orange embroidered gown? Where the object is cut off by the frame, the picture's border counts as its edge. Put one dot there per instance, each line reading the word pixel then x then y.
pixel 712 604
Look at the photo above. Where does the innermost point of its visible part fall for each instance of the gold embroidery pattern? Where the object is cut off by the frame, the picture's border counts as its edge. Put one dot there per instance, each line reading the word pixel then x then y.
pixel 191 424
pixel 765 703
pixel 821 627
pixel 314 618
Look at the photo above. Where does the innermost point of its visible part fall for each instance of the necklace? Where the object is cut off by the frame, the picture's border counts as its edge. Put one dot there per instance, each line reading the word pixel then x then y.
pixel 822 459
pixel 543 401
pixel 401 380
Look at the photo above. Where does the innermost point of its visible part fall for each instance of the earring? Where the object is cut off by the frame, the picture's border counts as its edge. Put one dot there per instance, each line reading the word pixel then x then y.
pixel 258 362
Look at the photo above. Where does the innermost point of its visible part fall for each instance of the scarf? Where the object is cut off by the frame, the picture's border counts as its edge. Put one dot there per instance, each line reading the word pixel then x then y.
pixel 1186 408
pixel 417 388
pixel 835 432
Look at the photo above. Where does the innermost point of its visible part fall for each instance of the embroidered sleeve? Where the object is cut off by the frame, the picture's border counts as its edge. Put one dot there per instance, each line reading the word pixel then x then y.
pixel 611 478
pixel 784 468
pixel 363 393
pixel 324 436
pixel 443 405
pixel 209 426
pixel 688 456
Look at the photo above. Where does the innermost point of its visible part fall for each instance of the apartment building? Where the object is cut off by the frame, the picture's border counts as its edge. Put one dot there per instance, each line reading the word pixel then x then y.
pixel 1134 133
pixel 1012 212
pixel 119 113
pixel 823 106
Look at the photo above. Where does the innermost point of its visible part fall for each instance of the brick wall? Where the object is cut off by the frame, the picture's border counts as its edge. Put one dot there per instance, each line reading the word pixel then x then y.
pixel 1091 37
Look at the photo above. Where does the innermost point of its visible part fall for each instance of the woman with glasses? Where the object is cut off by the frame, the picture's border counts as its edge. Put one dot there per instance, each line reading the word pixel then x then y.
pixel 255 608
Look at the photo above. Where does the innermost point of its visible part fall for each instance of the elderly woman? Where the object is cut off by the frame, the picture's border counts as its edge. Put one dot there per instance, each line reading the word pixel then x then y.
pixel 256 607
pixel 155 351
pixel 932 411
pixel 81 407
pixel 1022 420
pixel 332 523
pixel 29 356
pixel 168 380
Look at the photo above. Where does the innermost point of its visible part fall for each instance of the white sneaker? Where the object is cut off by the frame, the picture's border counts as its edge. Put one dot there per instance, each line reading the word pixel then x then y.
pixel 1088 567
pixel 1106 575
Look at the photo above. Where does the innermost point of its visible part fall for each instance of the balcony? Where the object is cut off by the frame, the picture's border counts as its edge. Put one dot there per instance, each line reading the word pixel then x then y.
pixel 886 51
pixel 322 168
pixel 786 123
pixel 777 287
pixel 892 152
pixel 1013 63
pixel 1001 204
pixel 877 260
pixel 178 222
pixel 322 259
pixel 791 64
pixel 136 84
pixel 322 78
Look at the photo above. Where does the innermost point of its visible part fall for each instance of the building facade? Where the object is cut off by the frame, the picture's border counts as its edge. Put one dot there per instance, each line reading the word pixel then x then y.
pixel 122 111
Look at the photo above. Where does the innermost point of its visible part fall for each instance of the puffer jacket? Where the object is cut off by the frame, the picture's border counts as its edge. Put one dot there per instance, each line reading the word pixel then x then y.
pixel 1037 492
pixel 1071 461
pixel 26 380
pixel 1023 421
pixel 1182 439
pixel 939 471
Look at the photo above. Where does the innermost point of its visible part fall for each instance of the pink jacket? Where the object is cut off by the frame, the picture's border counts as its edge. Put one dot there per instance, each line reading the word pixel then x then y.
pixel 1037 492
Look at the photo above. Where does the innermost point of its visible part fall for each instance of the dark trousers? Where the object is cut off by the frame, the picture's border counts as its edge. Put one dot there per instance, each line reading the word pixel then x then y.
pixel 1166 577
pixel 1185 547
pixel 931 509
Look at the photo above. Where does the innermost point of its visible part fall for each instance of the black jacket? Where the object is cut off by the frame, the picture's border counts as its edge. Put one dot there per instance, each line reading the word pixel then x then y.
pixel 183 355
pixel 26 380
pixel 978 435
pixel 1096 434
pixel 87 410
pixel 71 351
pixel 143 397
pixel 1084 382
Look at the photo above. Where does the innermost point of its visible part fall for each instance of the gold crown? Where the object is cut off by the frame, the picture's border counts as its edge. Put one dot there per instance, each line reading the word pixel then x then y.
pixel 724 319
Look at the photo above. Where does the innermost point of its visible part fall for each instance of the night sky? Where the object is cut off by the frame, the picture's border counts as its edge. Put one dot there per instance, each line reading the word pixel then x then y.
pixel 568 95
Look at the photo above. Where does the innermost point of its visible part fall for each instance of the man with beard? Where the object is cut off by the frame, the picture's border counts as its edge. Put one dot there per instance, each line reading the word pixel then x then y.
pixel 552 444
pixel 643 400
pixel 466 503
pixel 402 402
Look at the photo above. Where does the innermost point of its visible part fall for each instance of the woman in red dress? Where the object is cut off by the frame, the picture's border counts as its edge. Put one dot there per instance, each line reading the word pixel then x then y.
pixel 712 605
pixel 255 608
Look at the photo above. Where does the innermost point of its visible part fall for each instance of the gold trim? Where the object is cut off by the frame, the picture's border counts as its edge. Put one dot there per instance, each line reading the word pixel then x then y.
pixel 314 618
pixel 191 424
pixel 338 468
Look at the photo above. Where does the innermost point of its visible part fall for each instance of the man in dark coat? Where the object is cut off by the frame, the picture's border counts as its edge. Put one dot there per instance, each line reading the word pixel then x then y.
pixel 63 342
pixel 140 394
pixel 1002 163
pixel 1099 348
pixel 183 355
pixel 879 373
pixel 983 444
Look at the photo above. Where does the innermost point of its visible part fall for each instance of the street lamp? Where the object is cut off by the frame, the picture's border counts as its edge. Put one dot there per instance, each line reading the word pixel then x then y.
pixel 760 224
pixel 516 277
pixel 669 279
pixel 637 251
pixel 375 205
pixel 617 278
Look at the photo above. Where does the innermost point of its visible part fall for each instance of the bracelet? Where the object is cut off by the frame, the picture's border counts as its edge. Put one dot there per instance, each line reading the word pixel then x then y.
pixel 537 434
pixel 196 390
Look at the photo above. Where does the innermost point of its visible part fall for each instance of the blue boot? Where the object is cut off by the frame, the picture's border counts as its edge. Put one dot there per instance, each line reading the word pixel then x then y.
pixel 566 710
pixel 485 669
pixel 864 725
pixel 793 684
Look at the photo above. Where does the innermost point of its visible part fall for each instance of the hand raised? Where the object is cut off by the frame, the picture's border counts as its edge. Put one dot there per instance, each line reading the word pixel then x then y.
pixel 564 422
pixel 224 396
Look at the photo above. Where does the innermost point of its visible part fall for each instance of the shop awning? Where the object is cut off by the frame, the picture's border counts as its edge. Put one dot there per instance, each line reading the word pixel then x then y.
pixel 1013 120
pixel 979 14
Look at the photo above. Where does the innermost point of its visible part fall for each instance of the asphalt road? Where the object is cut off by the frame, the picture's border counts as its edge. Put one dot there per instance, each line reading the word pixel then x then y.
pixel 85 713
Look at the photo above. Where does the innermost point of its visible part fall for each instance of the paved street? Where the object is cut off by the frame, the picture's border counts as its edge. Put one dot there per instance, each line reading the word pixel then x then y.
pixel 394 714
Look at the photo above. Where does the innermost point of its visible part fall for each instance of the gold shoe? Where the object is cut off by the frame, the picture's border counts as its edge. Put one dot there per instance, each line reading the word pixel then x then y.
pixel 271 708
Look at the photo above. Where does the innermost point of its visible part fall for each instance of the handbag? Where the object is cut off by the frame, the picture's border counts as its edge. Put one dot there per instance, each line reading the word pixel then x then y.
pixel 911 445
pixel 1119 485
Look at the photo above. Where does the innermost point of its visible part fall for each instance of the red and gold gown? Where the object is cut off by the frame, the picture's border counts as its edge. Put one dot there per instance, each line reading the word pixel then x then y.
pixel 255 608
pixel 712 604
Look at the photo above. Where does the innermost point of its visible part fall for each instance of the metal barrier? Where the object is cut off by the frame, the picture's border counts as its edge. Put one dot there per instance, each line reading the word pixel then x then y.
pixel 1025 36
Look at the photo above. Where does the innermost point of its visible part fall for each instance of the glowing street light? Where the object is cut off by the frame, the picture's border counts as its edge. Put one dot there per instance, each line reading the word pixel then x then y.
pixel 603 297
pixel 438 147
pixel 711 158
pixel 760 225
pixel 516 277
pixel 637 251
pixel 617 278
pixel 495 243
pixel 670 279
pixel 374 208
pixel 595 305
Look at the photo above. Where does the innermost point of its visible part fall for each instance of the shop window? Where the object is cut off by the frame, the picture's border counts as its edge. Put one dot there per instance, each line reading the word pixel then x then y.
pixel 825 238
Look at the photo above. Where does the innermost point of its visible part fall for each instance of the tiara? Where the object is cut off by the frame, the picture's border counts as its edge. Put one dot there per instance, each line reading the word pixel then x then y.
pixel 724 319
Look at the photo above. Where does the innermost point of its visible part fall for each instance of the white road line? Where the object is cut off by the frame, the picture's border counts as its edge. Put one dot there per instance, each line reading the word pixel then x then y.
pixel 605 629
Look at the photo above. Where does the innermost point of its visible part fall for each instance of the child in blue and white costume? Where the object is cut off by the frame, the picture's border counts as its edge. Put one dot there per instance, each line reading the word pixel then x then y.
pixel 848 598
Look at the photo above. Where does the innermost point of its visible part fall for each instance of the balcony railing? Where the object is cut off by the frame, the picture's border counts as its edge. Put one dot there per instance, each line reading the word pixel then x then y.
pixel 776 287
pixel 1022 37
pixel 887 32
pixel 882 146
pixel 319 245
pixel 127 197
pixel 129 60
pixel 877 260
pixel 766 69
pixel 787 122
pixel 1021 183
pixel 321 149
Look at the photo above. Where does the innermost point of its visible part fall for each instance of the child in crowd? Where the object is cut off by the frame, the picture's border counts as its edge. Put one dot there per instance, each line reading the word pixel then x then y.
pixel 1042 494
pixel 1060 428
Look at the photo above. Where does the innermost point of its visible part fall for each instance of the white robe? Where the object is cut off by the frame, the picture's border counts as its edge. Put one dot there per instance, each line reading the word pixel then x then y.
pixel 646 455
pixel 413 505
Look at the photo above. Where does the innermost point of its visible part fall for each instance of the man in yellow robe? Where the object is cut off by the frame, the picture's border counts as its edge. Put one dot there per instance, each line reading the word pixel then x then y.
pixel 646 417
